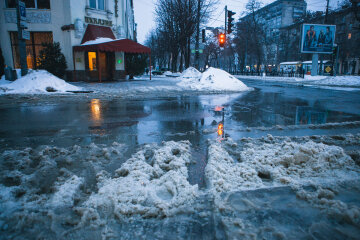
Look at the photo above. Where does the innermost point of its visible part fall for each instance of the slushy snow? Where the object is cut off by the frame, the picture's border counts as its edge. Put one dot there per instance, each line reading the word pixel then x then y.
pixel 212 79
pixel 271 163
pixel 38 82
pixel 153 183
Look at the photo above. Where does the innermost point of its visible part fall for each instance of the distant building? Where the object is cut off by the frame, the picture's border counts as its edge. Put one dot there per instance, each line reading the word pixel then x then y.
pixel 72 23
pixel 347 38
pixel 275 16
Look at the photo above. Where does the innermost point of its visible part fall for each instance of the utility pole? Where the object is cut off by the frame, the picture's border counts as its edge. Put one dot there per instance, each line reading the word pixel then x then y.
pixel 197 53
pixel 22 34
pixel 327 11
pixel 226 12
pixel 325 22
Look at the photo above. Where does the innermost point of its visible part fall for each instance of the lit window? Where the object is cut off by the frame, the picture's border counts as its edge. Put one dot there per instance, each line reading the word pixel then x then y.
pixel 349 36
pixel 33 47
pixel 38 4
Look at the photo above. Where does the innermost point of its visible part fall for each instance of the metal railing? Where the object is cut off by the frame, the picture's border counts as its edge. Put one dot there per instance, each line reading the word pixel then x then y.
pixel 268 74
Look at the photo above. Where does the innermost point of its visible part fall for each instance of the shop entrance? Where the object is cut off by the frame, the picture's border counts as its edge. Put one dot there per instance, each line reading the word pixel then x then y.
pixel 105 61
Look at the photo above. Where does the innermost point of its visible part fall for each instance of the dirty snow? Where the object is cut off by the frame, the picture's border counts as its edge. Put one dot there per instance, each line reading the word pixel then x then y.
pixel 212 79
pixel 37 82
pixel 271 163
pixel 64 196
pixel 56 193
pixel 153 183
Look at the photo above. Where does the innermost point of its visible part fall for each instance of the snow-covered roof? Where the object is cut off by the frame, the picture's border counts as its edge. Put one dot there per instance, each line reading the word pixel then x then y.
pixel 290 63
pixel 98 41
pixel 309 62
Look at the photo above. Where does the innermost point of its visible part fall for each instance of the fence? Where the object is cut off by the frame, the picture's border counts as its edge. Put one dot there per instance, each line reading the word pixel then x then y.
pixel 269 74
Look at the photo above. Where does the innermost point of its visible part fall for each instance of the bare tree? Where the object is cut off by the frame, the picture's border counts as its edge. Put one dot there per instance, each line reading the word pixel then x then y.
pixel 251 36
pixel 176 23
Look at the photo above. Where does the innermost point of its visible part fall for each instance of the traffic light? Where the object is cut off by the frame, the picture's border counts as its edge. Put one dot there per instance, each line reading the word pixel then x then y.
pixel 203 35
pixel 222 39
pixel 230 19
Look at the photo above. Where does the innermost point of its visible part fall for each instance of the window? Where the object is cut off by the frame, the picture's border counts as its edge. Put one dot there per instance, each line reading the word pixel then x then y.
pixel 33 47
pixel 38 4
pixel 98 4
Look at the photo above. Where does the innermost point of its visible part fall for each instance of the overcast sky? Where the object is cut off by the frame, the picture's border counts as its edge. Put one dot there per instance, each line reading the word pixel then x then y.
pixel 144 12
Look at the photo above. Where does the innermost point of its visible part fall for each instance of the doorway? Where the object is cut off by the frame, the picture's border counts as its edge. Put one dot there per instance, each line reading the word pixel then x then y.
pixel 106 61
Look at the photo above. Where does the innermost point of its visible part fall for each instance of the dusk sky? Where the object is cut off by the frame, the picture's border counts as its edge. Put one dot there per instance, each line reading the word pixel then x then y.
pixel 144 12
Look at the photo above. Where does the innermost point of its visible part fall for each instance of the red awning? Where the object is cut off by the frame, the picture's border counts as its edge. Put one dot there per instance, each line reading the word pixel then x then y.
pixel 93 32
pixel 124 45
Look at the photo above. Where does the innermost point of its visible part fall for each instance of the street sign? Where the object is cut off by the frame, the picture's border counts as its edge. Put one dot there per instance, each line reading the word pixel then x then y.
pixel 22 11
pixel 25 34
pixel 328 69
pixel 194 50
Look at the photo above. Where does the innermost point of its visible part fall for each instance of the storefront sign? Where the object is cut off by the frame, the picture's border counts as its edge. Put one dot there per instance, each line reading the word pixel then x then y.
pixel 98 21
pixel 25 34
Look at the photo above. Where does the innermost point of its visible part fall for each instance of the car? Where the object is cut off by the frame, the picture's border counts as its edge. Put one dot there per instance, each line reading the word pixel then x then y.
pixel 157 72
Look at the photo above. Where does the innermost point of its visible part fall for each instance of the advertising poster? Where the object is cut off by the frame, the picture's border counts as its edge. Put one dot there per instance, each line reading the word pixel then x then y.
pixel 317 38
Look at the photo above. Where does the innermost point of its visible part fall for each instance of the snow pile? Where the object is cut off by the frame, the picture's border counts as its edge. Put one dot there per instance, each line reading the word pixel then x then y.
pixel 98 41
pixel 39 81
pixel 64 196
pixel 153 183
pixel 313 78
pixel 275 163
pixel 218 79
pixel 353 81
pixel 191 73
pixel 212 79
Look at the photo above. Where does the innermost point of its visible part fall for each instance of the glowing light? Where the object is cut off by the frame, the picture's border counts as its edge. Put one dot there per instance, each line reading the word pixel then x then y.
pixel 220 130
pixel 96 110
pixel 218 109
pixel 92 60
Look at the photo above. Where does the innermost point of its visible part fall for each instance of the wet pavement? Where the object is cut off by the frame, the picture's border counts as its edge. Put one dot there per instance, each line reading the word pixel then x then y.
pixel 156 119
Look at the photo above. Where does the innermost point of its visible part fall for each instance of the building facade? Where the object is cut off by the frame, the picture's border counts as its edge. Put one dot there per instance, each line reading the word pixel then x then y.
pixel 272 18
pixel 347 38
pixel 68 22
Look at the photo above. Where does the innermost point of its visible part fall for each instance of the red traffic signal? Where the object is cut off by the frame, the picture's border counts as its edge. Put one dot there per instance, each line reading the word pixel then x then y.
pixel 222 39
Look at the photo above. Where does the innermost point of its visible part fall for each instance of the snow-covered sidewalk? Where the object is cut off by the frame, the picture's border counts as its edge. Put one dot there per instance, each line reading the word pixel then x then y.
pixel 36 82
pixel 191 81
pixel 338 81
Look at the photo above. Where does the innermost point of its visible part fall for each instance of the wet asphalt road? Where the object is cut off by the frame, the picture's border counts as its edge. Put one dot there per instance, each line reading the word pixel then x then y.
pixel 156 119
pixel 271 108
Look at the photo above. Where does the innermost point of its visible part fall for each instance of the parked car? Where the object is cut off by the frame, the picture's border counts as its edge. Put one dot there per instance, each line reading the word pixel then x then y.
pixel 159 72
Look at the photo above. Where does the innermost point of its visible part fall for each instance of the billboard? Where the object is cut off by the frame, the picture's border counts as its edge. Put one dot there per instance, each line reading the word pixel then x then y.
pixel 317 38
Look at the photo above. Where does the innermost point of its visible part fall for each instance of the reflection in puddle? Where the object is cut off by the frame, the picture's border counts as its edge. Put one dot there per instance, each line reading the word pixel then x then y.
pixel 96 111
pixel 308 115
pixel 220 128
